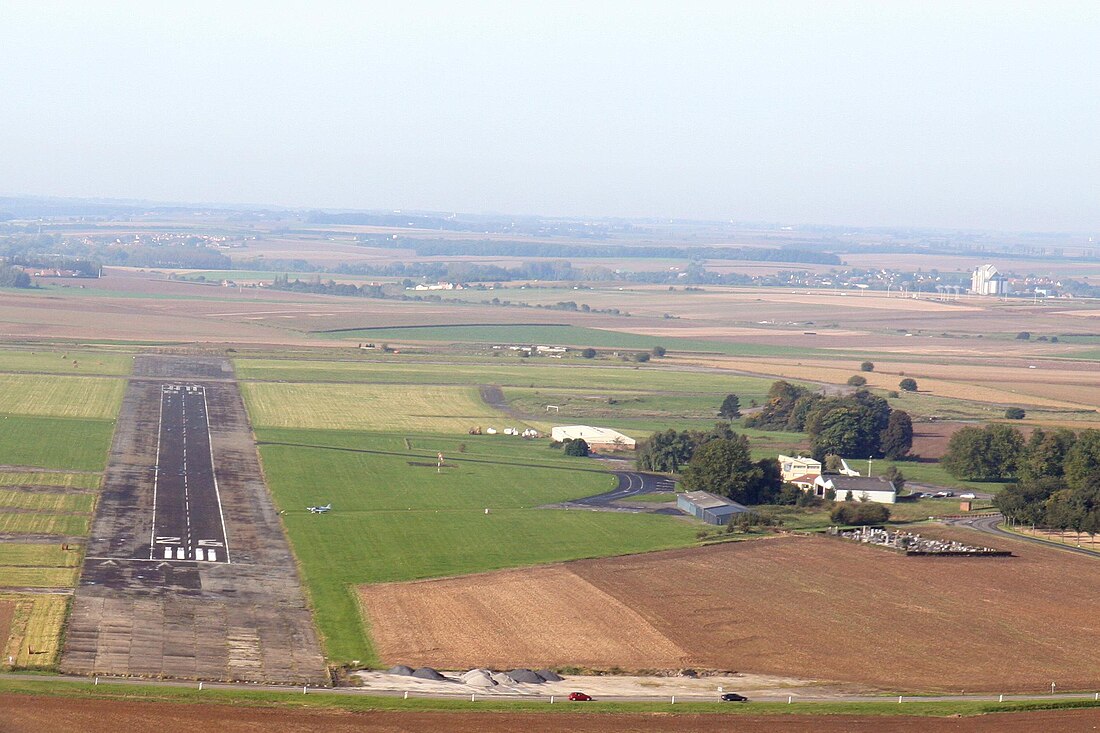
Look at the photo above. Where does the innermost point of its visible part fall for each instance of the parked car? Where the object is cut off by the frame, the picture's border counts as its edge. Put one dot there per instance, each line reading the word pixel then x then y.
pixel 944 494
pixel 733 697
pixel 967 496
pixel 926 495
pixel 579 697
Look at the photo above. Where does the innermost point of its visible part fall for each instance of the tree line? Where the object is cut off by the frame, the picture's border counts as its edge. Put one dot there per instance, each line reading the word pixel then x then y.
pixel 498 248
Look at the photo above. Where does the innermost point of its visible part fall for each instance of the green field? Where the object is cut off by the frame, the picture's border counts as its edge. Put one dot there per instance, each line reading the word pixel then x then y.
pixel 56 479
pixel 13 554
pixel 394 521
pixel 652 377
pixel 561 335
pixel 35 523
pixel 60 396
pixel 55 443
pixel 367 407
pixel 46 502
pixel 72 361
pixel 26 577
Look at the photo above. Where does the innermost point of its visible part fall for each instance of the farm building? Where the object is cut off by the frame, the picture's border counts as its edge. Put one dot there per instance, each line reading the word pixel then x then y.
pixel 597 438
pixel 857 487
pixel 708 507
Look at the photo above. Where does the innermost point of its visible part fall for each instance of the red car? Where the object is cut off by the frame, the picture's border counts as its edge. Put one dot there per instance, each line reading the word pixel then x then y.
pixel 579 697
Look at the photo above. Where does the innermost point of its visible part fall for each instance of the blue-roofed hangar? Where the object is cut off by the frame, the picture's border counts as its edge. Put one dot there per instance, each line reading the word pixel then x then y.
pixel 708 507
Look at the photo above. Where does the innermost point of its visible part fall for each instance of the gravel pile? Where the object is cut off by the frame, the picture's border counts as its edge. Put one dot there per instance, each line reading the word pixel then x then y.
pixel 400 669
pixel 427 673
pixel 479 678
pixel 549 675
pixel 525 676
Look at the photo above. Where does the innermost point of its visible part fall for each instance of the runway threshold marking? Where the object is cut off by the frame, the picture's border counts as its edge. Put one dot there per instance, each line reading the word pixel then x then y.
pixel 183 545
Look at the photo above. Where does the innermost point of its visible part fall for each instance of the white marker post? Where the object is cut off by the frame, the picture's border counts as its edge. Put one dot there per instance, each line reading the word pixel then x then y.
pixel 406 697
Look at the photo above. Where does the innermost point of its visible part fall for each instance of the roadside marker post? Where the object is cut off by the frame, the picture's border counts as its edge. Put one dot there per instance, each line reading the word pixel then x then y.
pixel 471 697
pixel 790 699
pixel 899 699
pixel 305 689
pixel 200 685
pixel 1001 698
pixel 406 695
pixel 551 699
pixel 673 699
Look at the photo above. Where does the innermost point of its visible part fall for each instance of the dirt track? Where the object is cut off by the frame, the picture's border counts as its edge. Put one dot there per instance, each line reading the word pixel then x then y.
pixel 24 714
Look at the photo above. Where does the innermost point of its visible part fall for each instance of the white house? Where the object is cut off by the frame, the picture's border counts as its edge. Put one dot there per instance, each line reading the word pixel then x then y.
pixel 597 438
pixel 799 470
pixel 857 488
pixel 803 472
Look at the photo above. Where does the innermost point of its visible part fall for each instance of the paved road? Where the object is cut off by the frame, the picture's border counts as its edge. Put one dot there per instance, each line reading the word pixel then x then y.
pixel 631 484
pixel 989 525
pixel 463 693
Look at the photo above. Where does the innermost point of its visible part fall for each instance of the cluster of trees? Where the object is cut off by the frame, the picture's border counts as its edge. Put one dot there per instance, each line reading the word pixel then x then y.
pixel 719 461
pixel 13 277
pixel 1049 503
pixel 860 424
pixel 859 513
pixel 999 452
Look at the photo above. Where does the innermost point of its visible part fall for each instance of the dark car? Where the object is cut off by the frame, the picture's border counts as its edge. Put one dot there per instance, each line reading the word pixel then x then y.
pixel 579 697
pixel 733 697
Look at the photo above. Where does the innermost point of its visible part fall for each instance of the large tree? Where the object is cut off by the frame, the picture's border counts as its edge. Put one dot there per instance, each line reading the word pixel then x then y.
pixel 731 407
pixel 897 438
pixel 724 466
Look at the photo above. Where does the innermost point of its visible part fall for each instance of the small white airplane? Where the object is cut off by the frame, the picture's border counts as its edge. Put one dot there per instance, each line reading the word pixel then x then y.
pixel 319 509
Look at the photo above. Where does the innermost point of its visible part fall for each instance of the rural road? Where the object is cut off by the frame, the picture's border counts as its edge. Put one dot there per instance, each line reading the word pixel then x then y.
pixel 990 525
pixel 465 694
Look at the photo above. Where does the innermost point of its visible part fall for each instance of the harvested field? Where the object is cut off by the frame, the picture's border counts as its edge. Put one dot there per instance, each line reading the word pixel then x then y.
pixel 61 396
pixel 930 438
pixel 36 627
pixel 965 388
pixel 512 622
pixel 368 407
pixel 27 714
pixel 793 604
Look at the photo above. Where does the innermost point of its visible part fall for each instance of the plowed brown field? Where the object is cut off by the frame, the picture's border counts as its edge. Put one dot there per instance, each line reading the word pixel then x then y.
pixel 796 606
pixel 24 714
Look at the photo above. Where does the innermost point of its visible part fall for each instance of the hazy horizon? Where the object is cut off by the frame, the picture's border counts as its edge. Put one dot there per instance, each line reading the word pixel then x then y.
pixel 859 114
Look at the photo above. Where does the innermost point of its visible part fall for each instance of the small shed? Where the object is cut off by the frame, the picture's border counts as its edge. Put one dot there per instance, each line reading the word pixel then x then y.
pixel 708 507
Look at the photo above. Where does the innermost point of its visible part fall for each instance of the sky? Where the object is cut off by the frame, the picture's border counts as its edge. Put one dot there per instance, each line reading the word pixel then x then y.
pixel 978 115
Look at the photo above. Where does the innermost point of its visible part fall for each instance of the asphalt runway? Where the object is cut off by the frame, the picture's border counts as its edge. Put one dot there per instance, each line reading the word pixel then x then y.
pixel 188 522
pixel 184 479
